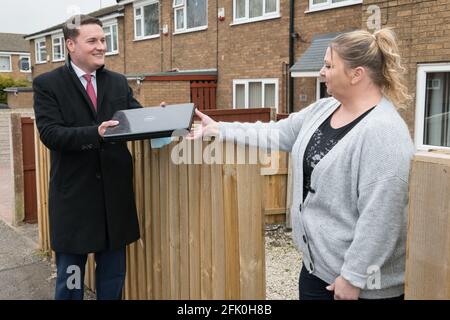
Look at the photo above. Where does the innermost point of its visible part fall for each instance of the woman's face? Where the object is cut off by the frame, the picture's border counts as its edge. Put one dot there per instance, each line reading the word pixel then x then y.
pixel 334 74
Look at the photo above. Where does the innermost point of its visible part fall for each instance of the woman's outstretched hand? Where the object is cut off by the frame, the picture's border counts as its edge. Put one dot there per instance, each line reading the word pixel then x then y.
pixel 208 127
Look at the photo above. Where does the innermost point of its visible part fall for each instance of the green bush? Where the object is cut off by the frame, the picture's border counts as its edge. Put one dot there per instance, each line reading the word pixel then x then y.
pixel 7 82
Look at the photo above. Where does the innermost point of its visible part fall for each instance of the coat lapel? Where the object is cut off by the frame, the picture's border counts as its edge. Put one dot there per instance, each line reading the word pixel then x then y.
pixel 101 86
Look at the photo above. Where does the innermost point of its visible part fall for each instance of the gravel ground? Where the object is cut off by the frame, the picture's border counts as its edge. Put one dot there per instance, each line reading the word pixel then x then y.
pixel 283 263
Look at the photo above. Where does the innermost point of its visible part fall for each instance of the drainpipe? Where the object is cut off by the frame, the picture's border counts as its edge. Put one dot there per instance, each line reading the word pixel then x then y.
pixel 292 37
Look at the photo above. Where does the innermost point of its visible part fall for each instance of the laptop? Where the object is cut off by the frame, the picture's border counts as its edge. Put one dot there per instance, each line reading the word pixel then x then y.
pixel 151 122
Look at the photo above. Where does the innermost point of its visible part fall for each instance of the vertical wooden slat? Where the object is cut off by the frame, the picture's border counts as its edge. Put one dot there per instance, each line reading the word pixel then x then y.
pixel 194 96
pixel 139 187
pixel 206 98
pixel 232 250
pixel 184 230
pixel 205 233
pixel 201 98
pixel 147 237
pixel 165 227
pixel 218 233
pixel 212 98
pixel 156 227
pixel 194 230
pixel 174 228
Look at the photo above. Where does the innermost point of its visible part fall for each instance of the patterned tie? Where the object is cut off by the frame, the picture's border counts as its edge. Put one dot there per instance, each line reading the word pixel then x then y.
pixel 90 90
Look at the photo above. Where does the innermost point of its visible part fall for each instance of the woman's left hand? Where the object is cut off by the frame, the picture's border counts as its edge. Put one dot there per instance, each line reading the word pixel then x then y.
pixel 344 290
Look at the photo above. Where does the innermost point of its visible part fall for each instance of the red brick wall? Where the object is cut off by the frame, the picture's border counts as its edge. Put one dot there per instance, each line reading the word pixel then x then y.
pixel 252 50
pixel 152 93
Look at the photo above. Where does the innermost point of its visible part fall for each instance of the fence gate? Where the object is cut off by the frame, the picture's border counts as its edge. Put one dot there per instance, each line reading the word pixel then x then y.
pixel 29 170
pixel 203 94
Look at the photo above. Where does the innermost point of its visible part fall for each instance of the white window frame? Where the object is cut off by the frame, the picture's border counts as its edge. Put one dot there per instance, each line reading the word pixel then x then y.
pixel 141 5
pixel 29 63
pixel 246 19
pixel 263 81
pixel 37 50
pixel 63 47
pixel 182 6
pixel 10 62
pixel 110 25
pixel 422 70
pixel 330 5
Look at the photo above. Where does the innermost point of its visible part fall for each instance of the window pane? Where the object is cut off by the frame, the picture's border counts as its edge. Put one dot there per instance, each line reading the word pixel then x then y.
pixel 108 43
pixel 138 28
pixel 5 63
pixel 177 2
pixel 269 95
pixel 271 6
pixel 151 19
pixel 240 96
pixel 114 38
pixel 334 1
pixel 437 107
pixel 254 95
pixel 319 1
pixel 42 52
pixel 24 64
pixel 256 8
pixel 138 11
pixel 240 9
pixel 196 13
pixel 179 18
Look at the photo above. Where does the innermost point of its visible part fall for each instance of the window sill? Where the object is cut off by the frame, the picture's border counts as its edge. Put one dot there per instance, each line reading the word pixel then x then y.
pixel 333 6
pixel 23 71
pixel 235 23
pixel 41 62
pixel 108 54
pixel 146 38
pixel 58 60
pixel 6 71
pixel 191 30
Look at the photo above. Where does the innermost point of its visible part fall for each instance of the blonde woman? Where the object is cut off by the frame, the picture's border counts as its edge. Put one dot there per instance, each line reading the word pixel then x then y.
pixel 351 156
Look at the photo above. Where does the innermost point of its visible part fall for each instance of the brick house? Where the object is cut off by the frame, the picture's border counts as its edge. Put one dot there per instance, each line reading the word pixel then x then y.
pixel 14 56
pixel 237 54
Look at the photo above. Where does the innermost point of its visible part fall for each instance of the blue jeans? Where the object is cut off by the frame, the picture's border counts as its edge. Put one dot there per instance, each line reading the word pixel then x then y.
pixel 109 275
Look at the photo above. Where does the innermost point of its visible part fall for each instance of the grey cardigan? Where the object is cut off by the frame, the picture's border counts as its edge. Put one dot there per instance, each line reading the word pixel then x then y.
pixel 354 224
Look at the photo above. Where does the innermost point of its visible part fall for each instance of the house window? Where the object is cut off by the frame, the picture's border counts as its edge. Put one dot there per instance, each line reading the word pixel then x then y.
pixel 24 64
pixel 321 89
pixel 255 93
pixel 5 63
pixel 255 10
pixel 111 36
pixel 58 48
pixel 41 51
pixel 316 5
pixel 433 106
pixel 146 20
pixel 190 15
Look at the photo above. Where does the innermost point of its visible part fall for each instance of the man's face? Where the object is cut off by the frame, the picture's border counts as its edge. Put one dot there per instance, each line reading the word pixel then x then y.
pixel 87 50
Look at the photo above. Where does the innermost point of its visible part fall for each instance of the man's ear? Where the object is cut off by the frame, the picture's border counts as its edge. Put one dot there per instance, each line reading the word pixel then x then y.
pixel 357 74
pixel 70 44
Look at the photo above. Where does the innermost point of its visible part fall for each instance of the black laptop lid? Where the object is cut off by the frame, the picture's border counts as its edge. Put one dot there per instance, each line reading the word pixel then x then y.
pixel 151 122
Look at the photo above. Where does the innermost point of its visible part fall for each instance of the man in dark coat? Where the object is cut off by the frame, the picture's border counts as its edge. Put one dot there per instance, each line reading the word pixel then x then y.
pixel 91 200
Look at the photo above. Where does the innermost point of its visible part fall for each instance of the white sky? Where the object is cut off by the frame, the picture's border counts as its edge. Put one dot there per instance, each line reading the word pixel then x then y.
pixel 29 16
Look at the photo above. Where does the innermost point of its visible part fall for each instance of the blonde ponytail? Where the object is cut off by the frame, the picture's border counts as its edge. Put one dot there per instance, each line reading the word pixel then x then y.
pixel 392 70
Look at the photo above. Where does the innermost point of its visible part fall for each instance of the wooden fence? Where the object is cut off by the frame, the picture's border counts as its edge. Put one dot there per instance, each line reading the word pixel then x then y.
pixel 201 228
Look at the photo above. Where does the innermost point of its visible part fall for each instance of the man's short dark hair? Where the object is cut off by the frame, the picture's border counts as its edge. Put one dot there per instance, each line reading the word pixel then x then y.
pixel 71 27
